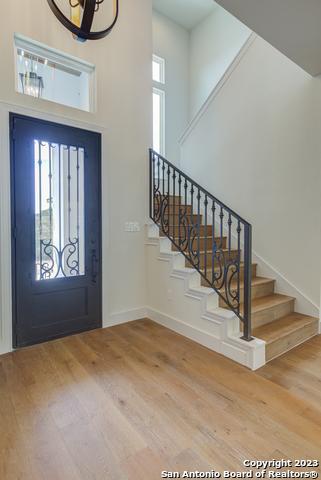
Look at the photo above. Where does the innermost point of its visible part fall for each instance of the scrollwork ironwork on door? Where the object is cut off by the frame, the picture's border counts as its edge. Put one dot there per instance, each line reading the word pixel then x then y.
pixel 59 210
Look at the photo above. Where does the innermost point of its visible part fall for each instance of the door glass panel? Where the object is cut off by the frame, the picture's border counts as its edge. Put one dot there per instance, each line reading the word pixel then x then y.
pixel 59 210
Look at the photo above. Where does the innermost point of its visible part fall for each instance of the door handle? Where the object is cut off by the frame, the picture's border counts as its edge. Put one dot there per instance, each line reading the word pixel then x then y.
pixel 94 263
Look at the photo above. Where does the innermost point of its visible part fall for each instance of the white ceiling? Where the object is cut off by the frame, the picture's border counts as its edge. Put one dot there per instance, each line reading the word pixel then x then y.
pixel 292 26
pixel 187 13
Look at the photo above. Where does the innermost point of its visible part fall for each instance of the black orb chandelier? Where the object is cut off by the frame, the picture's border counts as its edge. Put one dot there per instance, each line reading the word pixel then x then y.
pixel 82 17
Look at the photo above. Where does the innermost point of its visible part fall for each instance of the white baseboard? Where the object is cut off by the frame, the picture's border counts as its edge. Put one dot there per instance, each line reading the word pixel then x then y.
pixel 189 331
pixel 124 317
pixel 5 350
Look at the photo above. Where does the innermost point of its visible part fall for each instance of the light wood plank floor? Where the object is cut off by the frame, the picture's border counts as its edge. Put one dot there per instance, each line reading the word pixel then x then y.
pixel 136 399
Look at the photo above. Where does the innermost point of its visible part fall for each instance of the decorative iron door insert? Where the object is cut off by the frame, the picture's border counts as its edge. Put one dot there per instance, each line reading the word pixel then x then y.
pixel 56 225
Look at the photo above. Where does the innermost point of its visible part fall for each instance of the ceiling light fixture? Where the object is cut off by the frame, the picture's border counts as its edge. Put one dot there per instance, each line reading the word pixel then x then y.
pixel 82 17
pixel 32 84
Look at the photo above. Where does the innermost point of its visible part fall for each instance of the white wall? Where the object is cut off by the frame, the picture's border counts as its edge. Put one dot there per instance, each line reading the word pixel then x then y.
pixel 213 45
pixel 259 147
pixel 171 42
pixel 123 62
pixel 292 26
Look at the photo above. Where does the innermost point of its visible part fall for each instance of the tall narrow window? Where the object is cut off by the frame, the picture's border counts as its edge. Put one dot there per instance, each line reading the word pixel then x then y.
pixel 158 69
pixel 159 104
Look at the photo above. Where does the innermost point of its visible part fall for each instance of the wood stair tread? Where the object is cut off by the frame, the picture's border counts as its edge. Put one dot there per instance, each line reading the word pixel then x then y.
pixel 270 301
pixel 283 327
pixel 225 250
pixel 182 205
pixel 177 225
pixel 208 270
pixel 209 237
pixel 255 282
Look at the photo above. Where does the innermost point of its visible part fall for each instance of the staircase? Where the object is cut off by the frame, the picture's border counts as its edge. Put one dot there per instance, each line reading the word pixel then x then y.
pixel 217 243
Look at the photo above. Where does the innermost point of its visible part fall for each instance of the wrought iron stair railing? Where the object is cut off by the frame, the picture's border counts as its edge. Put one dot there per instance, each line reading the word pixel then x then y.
pixel 214 239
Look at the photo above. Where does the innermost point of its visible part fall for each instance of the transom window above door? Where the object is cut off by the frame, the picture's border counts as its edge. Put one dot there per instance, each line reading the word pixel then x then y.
pixel 44 72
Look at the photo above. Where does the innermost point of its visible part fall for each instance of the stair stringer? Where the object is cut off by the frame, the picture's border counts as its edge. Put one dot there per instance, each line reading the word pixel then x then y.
pixel 193 311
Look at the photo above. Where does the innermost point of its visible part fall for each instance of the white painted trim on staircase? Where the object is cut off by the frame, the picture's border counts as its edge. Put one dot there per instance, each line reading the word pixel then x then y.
pixel 252 358
pixel 218 87
pixel 228 341
pixel 303 303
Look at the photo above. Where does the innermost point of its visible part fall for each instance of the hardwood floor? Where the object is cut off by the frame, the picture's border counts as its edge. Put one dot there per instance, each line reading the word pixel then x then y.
pixel 136 399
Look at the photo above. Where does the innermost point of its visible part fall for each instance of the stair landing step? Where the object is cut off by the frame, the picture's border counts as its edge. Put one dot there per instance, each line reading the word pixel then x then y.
pixel 280 329
pixel 286 333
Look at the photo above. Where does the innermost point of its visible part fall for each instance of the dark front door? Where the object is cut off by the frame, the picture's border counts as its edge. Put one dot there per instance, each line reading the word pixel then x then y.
pixel 56 230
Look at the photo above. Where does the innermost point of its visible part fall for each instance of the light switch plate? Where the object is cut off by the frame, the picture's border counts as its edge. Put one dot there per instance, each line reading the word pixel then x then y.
pixel 132 227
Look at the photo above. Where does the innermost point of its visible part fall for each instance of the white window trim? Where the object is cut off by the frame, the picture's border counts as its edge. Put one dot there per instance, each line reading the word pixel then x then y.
pixel 55 56
pixel 160 89
pixel 161 63
pixel 162 95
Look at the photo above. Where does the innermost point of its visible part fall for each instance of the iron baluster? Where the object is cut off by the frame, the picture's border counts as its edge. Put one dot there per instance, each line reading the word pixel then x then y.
pixel 239 230
pixel 221 227
pixel 180 209
pixel 157 192
pixel 213 241
pixel 163 172
pixel 199 228
pixel 205 235
pixel 247 282
pixel 185 226
pixel 191 225
pixel 167 206
pixel 229 222
pixel 175 222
